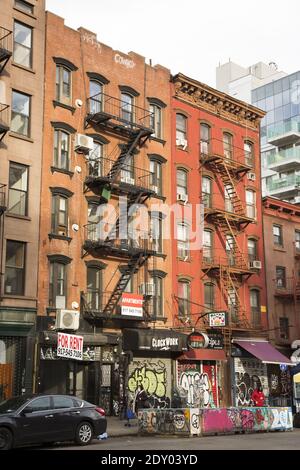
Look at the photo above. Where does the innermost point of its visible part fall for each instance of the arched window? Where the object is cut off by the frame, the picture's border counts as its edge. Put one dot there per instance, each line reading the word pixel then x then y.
pixel 182 190
pixel 207 246
pixel 59 215
pixel 181 130
pixel 255 308
pixel 204 139
pixel 207 191
pixel 209 295
pixel 61 149
pixel 252 249
pixel 250 203
pixel 228 199
pixel 63 84
pixel 184 294
pixel 96 97
pixel 156 120
pixel 230 249
pixel 127 107
pixel 249 153
pixel 94 287
pixel 183 241
pixel 228 146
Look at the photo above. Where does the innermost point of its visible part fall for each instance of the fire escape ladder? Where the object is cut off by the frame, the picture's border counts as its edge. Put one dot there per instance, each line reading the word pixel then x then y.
pixel 230 292
pixel 229 187
pixel 133 266
pixel 226 229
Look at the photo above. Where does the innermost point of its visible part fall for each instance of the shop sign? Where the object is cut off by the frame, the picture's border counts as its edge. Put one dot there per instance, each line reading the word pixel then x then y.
pixel 217 319
pixel 153 340
pixel 132 305
pixel 90 353
pixel 198 340
pixel 70 346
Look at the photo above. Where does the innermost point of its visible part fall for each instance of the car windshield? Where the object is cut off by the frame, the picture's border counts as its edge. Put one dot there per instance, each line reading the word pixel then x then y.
pixel 12 404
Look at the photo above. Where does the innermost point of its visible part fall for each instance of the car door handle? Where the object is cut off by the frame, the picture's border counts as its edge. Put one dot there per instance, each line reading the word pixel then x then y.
pixel 49 416
pixel 75 412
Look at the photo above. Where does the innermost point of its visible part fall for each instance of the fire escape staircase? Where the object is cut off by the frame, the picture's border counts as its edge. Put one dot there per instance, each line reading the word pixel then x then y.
pixel 232 298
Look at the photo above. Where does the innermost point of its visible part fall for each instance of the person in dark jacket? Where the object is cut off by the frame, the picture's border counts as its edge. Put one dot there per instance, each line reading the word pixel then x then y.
pixel 141 400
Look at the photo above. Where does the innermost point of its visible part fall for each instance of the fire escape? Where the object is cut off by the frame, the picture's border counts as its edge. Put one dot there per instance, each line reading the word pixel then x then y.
pixel 230 220
pixel 5 54
pixel 117 176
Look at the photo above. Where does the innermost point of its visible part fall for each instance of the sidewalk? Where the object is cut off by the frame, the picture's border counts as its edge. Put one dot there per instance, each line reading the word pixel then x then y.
pixel 116 427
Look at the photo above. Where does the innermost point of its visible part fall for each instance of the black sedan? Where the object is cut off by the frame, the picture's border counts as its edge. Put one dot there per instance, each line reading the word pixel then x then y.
pixel 39 419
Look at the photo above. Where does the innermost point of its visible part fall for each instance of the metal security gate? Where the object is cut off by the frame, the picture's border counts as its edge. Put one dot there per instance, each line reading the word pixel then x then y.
pixel 12 366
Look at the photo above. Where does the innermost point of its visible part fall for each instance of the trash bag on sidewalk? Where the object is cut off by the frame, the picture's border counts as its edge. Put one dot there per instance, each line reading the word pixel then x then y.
pixel 102 436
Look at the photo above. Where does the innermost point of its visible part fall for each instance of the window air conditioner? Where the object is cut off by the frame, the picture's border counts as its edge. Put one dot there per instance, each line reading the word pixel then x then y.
pixel 251 176
pixel 67 320
pixel 182 197
pixel 297 200
pixel 256 264
pixel 181 143
pixel 147 288
pixel 83 143
pixel 127 179
pixel 154 188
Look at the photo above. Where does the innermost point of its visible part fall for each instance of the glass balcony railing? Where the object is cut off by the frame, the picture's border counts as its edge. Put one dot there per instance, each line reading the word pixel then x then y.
pixel 283 183
pixel 284 128
pixel 291 154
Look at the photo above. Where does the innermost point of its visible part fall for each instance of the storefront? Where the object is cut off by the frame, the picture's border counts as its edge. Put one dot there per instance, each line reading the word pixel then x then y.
pixel 94 378
pixel 200 371
pixel 257 363
pixel 151 364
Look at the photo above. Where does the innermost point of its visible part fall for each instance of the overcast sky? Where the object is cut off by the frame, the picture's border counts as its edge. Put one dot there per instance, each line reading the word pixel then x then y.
pixel 193 36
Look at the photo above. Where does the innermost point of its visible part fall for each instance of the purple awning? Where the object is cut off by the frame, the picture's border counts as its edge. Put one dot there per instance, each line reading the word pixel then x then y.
pixel 264 351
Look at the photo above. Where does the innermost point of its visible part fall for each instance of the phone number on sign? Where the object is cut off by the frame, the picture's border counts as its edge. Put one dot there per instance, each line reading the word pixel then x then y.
pixel 65 352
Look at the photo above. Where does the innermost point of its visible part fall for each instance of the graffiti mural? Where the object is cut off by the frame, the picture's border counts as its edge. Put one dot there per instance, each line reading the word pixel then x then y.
pixel 169 421
pixel 280 383
pixel 199 384
pixel 249 373
pixel 155 378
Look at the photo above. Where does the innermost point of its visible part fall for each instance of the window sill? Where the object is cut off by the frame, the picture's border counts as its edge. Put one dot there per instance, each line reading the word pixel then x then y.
pixel 157 196
pixel 17 216
pixel 30 15
pixel 63 105
pixel 59 237
pixel 155 319
pixel 156 139
pixel 189 260
pixel 160 255
pixel 186 150
pixel 23 67
pixel 278 248
pixel 21 137
pixel 61 170
pixel 17 297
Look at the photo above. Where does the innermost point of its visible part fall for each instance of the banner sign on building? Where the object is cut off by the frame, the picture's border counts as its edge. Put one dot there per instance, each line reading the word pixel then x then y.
pixel 132 305
pixel 218 319
pixel 70 346
pixel 199 340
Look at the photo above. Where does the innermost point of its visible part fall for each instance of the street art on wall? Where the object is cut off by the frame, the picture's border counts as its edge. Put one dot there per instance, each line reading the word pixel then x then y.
pixel 170 421
pixel 249 373
pixel 280 381
pixel 198 383
pixel 154 375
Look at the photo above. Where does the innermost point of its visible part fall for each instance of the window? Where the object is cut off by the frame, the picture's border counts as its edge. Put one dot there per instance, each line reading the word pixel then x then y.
pixel 127 172
pixel 127 107
pixel 157 299
pixel 15 268
pixel 183 241
pixel 156 177
pixel 255 307
pixel 20 113
pixel 156 232
pixel 284 328
pixel 22 44
pixel 250 204
pixel 230 249
pixel 204 139
pixel 18 189
pixel 181 127
pixel 228 200
pixel 39 404
pixel 58 285
pixel 277 235
pixel 209 296
pixel 252 249
pixel 95 162
pixel 280 277
pixel 181 176
pixel 207 191
pixel 297 240
pixel 93 219
pixel 62 402
pixel 227 144
pixel 249 153
pixel 61 149
pixel 156 120
pixel 184 294
pixel 63 84
pixel 59 215
pixel 94 288
pixel 232 305
pixel 208 246
pixel 24 6
pixel 96 102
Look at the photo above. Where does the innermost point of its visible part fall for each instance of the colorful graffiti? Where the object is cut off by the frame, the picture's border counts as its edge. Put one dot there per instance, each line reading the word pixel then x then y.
pixel 249 373
pixel 198 383
pixel 154 377
pixel 215 421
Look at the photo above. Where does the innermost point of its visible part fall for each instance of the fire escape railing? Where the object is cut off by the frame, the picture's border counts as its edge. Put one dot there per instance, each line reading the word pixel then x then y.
pixel 5 47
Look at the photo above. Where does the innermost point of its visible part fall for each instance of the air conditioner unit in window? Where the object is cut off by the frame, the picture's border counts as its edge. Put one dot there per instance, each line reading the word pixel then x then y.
pixel 127 179
pixel 297 200
pixel 182 197
pixel 181 143
pixel 67 320
pixel 147 288
pixel 83 143
pixel 251 176
pixel 256 264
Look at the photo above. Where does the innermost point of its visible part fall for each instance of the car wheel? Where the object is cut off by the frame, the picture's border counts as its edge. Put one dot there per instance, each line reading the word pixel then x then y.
pixel 6 439
pixel 84 434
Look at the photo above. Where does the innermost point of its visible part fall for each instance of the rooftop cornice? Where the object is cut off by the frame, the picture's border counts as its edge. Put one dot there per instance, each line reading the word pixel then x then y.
pixel 203 96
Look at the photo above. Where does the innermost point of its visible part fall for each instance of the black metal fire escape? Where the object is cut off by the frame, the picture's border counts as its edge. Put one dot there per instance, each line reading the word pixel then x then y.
pixel 5 47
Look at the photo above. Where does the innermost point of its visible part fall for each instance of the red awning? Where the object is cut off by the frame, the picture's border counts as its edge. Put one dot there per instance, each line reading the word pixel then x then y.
pixel 204 355
pixel 264 351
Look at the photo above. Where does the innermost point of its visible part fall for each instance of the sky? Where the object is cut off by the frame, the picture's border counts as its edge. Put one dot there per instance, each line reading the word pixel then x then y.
pixel 192 36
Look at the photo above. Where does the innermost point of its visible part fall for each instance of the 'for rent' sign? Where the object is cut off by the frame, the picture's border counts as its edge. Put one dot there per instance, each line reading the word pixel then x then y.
pixel 70 346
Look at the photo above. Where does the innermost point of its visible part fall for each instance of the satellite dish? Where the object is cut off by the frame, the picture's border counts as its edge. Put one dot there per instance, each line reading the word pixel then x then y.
pixel 78 103
pixel 78 169
pixel 75 305
pixel 75 227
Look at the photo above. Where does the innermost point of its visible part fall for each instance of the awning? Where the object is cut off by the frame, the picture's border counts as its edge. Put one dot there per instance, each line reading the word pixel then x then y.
pixel 204 355
pixel 264 351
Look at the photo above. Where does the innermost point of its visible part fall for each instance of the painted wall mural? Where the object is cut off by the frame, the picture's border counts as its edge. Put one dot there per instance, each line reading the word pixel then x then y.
pixel 197 383
pixel 249 373
pixel 280 381
pixel 154 375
